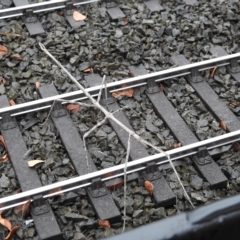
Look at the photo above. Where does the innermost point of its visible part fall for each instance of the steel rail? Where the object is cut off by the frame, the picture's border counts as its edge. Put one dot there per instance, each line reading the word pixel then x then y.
pixel 40 7
pixel 116 171
pixel 116 86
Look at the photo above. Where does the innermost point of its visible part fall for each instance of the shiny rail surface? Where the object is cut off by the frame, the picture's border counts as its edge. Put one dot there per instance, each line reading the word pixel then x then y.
pixel 39 7
pixel 116 171
pixel 116 86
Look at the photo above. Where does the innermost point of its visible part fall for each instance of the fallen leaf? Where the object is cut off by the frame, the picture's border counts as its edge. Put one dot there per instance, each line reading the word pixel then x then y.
pixel 4 81
pixel 177 145
pixel 3 142
pixel 23 208
pixel 130 74
pixel 88 70
pixel 223 126
pixel 116 185
pixel 37 85
pixel 56 190
pixel 5 223
pixel 234 104
pixel 13 230
pixel 10 34
pixel 236 147
pixel 4 158
pixel 104 223
pixel 78 16
pixel 161 87
pixel 149 187
pixel 213 72
pixel 126 92
pixel 19 190
pixel 3 50
pixel 16 57
pixel 125 20
pixel 73 108
pixel 33 163
pixel 11 102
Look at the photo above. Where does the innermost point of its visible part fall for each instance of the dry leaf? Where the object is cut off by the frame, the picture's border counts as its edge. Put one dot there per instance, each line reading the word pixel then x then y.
pixel 88 70
pixel 33 163
pixel 55 190
pixel 37 85
pixel 73 108
pixel 5 223
pixel 3 142
pixel 130 74
pixel 125 20
pixel 104 223
pixel 11 102
pixel 149 187
pixel 3 50
pixel 161 87
pixel 23 208
pixel 13 230
pixel 177 145
pixel 8 225
pixel 126 92
pixel 77 16
pixel 10 34
pixel 213 72
pixel 4 158
pixel 223 126
pixel 236 147
pixel 234 104
pixel 4 81
pixel 115 185
pixel 16 57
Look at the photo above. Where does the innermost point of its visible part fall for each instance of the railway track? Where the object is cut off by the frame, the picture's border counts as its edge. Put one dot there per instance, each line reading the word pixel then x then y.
pixel 81 195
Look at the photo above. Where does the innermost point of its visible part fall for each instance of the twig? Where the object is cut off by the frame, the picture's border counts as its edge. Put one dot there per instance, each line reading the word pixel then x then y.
pixel 100 92
pixel 66 101
pixel 125 183
pixel 110 115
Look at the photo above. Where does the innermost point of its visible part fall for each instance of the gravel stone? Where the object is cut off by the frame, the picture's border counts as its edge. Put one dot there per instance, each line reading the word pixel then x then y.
pixel 197 182
pixel 4 181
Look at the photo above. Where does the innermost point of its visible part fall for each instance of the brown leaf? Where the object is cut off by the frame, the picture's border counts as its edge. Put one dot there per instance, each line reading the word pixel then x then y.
pixel 23 208
pixel 213 72
pixel 116 183
pixel 73 108
pixel 33 163
pixel 3 50
pixel 236 147
pixel 55 190
pixel 126 92
pixel 13 230
pixel 125 20
pixel 223 126
pixel 234 104
pixel 78 16
pixel 16 57
pixel 149 187
pixel 161 87
pixel 11 102
pixel 37 85
pixel 177 145
pixel 4 158
pixel 5 223
pixel 3 142
pixel 104 223
pixel 87 70
pixel 4 81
